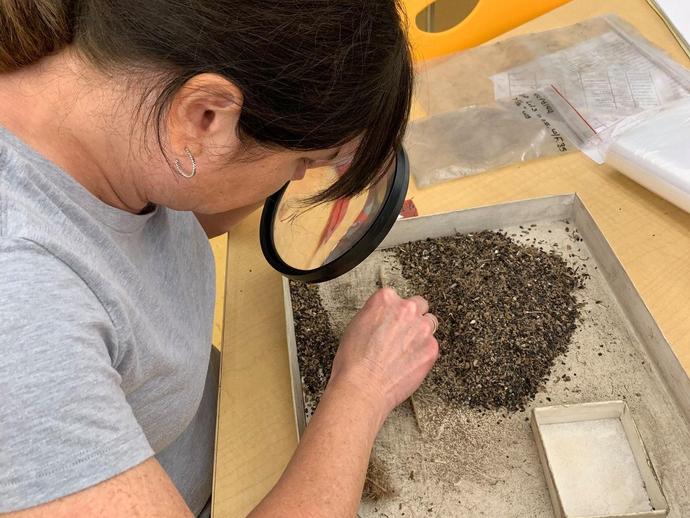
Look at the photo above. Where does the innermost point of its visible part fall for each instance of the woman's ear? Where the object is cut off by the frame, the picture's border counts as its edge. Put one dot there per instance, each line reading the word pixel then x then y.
pixel 204 115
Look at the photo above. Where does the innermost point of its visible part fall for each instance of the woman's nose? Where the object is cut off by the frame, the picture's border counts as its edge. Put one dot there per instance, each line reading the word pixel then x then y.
pixel 300 172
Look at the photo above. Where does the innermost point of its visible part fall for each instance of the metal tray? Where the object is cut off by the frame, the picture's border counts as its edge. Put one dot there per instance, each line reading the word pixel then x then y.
pixel 663 415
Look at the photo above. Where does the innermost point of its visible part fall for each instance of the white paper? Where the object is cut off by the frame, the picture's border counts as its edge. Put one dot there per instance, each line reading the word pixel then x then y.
pixel 594 468
pixel 605 79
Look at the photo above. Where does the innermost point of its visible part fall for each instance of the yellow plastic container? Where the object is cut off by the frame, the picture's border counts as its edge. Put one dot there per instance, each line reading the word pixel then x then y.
pixel 488 19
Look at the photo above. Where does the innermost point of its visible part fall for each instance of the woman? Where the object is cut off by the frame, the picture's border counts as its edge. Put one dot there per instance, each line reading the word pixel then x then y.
pixel 131 132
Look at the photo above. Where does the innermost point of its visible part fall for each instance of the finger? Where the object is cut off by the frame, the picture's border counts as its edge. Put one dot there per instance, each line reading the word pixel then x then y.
pixel 434 321
pixel 421 303
pixel 381 297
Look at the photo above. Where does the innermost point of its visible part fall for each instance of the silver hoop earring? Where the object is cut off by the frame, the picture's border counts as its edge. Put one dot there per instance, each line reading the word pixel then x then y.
pixel 178 165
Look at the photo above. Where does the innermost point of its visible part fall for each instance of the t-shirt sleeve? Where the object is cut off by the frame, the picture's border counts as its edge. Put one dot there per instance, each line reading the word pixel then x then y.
pixel 65 423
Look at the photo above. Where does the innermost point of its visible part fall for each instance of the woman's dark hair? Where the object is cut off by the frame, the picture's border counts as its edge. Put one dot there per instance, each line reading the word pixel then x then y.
pixel 314 73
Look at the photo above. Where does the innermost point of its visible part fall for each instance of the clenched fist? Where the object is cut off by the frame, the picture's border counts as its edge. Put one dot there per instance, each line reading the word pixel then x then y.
pixel 387 349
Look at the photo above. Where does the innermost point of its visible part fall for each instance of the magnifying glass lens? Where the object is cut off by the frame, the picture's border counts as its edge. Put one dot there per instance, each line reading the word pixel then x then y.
pixel 308 235
pixel 315 242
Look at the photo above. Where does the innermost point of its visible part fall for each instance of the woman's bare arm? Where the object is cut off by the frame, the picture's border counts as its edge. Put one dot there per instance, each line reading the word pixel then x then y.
pixel 143 491
pixel 383 357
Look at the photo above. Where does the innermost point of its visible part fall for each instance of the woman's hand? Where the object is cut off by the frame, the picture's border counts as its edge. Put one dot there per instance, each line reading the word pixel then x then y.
pixel 383 357
pixel 387 349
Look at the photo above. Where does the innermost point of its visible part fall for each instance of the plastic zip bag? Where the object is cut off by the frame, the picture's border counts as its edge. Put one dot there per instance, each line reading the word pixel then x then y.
pixel 605 78
pixel 479 138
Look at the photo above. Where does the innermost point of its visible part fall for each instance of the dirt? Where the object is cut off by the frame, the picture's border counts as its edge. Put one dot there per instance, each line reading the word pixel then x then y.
pixel 506 312
pixel 316 342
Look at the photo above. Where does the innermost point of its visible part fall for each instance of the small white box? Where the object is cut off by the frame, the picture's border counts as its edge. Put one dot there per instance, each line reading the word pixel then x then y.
pixel 595 463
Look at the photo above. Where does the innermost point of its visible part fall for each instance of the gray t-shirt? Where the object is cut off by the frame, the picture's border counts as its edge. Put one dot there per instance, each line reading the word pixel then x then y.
pixel 105 338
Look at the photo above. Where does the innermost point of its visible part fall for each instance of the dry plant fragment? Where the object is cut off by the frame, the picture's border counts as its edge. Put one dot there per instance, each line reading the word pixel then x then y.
pixel 377 484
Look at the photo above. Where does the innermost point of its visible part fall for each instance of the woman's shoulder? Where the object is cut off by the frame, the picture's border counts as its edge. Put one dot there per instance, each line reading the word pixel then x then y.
pixel 36 196
pixel 40 291
pixel 30 271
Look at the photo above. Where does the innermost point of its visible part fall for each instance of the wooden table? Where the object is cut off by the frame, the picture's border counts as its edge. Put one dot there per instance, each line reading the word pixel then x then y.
pixel 256 431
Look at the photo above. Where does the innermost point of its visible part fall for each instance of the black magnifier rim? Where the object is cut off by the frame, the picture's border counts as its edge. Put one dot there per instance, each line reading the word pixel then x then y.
pixel 360 250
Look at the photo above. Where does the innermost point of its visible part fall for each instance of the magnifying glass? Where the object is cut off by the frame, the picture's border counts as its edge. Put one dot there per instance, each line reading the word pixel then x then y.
pixel 318 242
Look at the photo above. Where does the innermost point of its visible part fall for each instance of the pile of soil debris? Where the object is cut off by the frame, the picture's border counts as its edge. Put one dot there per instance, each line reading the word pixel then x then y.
pixel 506 312
pixel 316 341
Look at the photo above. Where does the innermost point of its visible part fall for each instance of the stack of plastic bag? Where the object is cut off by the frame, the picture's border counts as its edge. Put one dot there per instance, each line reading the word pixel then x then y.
pixel 652 148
